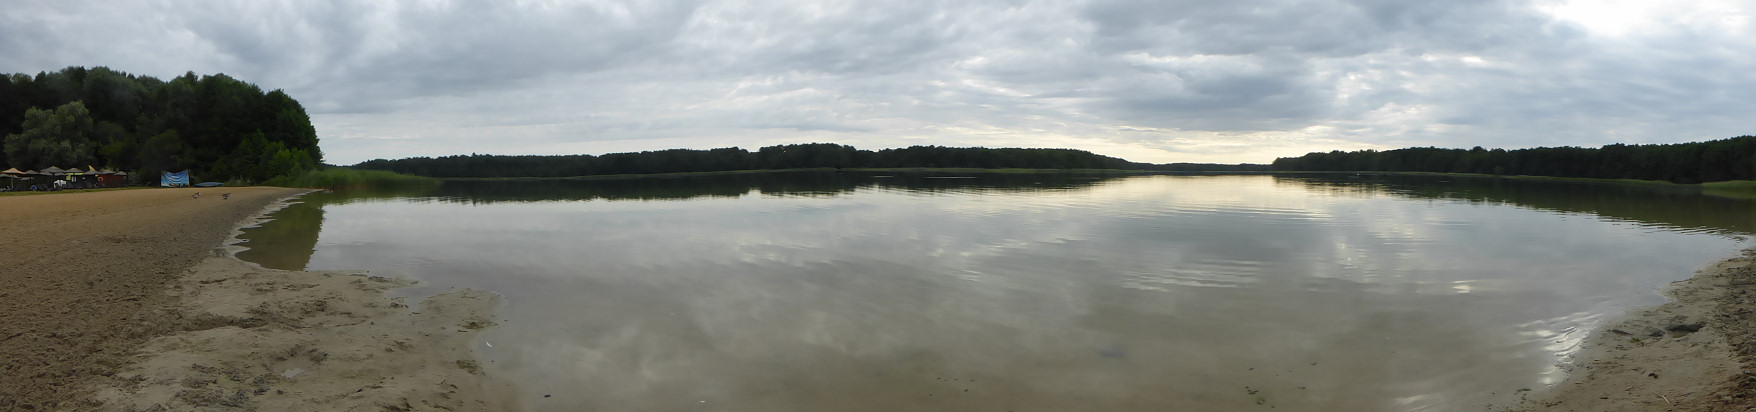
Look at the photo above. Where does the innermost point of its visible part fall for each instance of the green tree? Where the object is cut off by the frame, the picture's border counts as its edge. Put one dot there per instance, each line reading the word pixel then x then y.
pixel 289 162
pixel 130 116
pixel 163 152
pixel 59 137
pixel 114 145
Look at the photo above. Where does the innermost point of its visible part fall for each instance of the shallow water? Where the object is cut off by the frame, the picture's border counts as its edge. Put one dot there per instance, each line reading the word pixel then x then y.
pixel 822 291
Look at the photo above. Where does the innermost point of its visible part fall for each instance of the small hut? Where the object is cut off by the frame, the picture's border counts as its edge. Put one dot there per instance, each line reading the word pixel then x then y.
pixel 80 179
pixel 111 178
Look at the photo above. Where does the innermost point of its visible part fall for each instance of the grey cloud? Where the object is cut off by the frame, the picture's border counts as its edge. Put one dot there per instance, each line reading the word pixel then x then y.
pixel 361 55
pixel 1320 28
pixel 559 73
pixel 848 38
pixel 21 36
pixel 1244 102
pixel 1284 39
pixel 1205 27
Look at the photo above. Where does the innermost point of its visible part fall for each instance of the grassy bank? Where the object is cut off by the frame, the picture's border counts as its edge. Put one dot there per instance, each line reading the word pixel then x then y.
pixel 1742 189
pixel 348 179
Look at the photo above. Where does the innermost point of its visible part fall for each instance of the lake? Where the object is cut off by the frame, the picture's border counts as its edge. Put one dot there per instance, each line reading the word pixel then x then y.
pixel 823 291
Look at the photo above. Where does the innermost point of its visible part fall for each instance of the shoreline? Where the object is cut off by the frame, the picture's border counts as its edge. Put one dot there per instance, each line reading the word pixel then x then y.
pixel 328 340
pixel 134 300
pixel 1696 352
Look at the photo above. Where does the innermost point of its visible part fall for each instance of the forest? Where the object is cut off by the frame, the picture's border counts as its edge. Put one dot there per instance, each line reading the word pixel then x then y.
pixel 218 127
pixel 1695 162
pixel 794 156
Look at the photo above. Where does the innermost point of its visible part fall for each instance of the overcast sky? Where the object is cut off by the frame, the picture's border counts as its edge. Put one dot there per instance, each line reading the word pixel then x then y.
pixel 1146 80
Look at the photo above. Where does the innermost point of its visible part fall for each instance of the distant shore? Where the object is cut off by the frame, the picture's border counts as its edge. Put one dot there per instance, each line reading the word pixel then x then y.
pixel 131 300
pixel 1735 188
pixel 962 170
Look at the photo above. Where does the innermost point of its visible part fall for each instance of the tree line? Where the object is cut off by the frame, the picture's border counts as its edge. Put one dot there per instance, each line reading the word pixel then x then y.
pixel 794 156
pixel 1696 162
pixel 218 127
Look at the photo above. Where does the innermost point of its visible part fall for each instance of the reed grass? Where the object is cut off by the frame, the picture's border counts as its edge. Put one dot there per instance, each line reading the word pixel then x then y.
pixel 339 178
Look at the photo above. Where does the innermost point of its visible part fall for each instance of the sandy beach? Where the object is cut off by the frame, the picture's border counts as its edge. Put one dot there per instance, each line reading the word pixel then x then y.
pixel 1694 353
pixel 131 300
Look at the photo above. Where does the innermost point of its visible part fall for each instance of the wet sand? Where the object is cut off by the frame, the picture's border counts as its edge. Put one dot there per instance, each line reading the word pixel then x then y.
pixel 131 300
pixel 1695 353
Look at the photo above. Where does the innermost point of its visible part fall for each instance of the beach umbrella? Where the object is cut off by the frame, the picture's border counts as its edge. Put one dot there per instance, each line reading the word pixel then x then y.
pixel 12 171
pixel 73 171
pixel 51 170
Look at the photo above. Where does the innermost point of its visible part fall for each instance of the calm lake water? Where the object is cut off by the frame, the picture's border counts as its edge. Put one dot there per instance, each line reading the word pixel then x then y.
pixel 851 292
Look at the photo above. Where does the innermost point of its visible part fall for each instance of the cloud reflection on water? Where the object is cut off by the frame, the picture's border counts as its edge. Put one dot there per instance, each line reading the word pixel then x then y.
pixel 1118 294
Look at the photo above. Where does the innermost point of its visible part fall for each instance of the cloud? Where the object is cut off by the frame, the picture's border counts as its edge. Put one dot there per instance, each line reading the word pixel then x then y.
pixel 1148 80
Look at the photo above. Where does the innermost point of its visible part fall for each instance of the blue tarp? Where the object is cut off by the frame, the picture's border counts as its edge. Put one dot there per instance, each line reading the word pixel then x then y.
pixel 179 179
